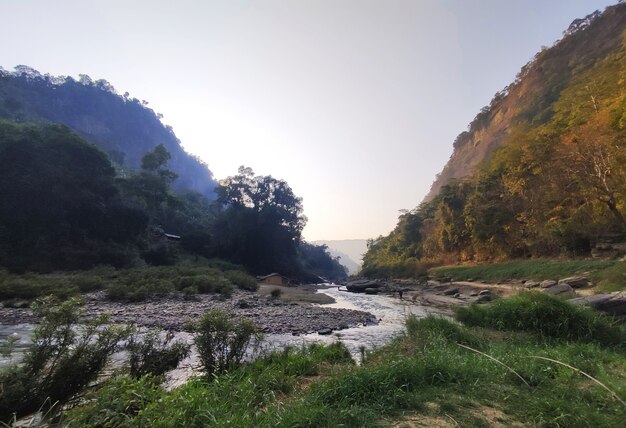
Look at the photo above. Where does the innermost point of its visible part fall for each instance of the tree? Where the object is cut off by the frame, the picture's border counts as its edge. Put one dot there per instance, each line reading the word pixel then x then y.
pixel 261 224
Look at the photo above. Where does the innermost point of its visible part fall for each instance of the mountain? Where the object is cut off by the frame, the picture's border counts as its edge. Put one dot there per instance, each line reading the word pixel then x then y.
pixel 540 172
pixel 350 250
pixel 531 98
pixel 121 126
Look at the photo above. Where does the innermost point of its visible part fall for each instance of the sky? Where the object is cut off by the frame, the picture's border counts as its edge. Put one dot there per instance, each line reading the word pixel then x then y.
pixel 355 103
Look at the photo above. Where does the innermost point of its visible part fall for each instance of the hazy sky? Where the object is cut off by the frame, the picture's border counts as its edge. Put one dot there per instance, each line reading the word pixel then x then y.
pixel 355 103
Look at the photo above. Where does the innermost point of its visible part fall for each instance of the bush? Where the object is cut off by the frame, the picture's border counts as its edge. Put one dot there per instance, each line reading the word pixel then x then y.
pixel 432 328
pixel 114 403
pixel 151 355
pixel 222 340
pixel 33 286
pixel 546 316
pixel 63 359
pixel 242 280
pixel 275 293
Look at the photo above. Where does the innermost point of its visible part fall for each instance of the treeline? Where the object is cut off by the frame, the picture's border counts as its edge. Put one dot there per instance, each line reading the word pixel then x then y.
pixel 123 127
pixel 556 187
pixel 63 206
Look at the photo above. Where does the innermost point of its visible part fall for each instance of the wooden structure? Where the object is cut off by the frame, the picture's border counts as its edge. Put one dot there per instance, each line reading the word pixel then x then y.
pixel 274 279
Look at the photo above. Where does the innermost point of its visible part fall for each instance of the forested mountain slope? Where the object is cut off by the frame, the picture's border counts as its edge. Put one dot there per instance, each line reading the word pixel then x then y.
pixel 540 172
pixel 123 127
pixel 531 98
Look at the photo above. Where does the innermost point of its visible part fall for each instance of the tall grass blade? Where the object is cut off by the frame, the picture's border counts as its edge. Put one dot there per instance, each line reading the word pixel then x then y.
pixel 583 373
pixel 497 361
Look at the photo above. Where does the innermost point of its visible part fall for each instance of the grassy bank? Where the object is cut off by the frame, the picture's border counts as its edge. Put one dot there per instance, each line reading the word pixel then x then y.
pixel 437 373
pixel 607 272
pixel 187 278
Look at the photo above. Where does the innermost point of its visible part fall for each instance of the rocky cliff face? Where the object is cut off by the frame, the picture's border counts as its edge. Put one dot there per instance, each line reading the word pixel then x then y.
pixel 529 99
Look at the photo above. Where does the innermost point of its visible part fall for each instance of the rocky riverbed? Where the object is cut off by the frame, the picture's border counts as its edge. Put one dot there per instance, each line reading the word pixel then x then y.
pixel 175 313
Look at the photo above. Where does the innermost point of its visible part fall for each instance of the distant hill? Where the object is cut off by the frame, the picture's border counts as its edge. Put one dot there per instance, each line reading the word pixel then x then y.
pixel 540 171
pixel 121 126
pixel 350 250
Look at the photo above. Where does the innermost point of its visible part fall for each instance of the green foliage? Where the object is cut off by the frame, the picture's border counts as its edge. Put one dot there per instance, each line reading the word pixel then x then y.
pixel 63 359
pixel 546 316
pixel 613 278
pixel 222 341
pixel 242 280
pixel 113 404
pixel 154 355
pixel 536 269
pixel 423 374
pixel 59 206
pixel 275 293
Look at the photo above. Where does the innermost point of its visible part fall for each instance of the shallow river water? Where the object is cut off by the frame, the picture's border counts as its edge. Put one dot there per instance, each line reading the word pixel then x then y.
pixel 390 311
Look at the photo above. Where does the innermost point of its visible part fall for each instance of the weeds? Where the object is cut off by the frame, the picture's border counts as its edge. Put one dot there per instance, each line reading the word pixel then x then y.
pixel 153 353
pixel 546 316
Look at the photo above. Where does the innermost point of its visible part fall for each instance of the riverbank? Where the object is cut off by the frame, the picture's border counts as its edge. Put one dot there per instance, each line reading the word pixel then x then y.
pixel 289 314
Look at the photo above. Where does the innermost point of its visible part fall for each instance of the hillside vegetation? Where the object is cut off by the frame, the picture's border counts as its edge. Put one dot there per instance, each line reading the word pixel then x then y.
pixel 541 170
pixel 63 206
pixel 123 127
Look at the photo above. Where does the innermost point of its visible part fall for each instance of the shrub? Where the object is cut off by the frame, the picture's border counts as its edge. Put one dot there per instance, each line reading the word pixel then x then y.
pixel 222 340
pixel 149 354
pixel 62 360
pixel 114 403
pixel 546 316
pixel 275 293
pixel 242 280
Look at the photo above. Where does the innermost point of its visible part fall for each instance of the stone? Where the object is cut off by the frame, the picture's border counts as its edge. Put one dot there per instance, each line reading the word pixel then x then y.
pixel 474 293
pixel 531 284
pixel 561 290
pixel 575 281
pixel 485 293
pixel 484 298
pixel 611 303
pixel 547 283
pixel 451 291
pixel 371 291
pixel 325 332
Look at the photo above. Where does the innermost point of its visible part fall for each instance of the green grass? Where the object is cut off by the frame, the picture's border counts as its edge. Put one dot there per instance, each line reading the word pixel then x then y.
pixel 535 269
pixel 423 373
pixel 546 316
pixel 613 278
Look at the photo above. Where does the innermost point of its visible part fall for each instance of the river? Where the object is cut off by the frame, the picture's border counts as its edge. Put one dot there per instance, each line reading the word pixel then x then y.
pixel 390 311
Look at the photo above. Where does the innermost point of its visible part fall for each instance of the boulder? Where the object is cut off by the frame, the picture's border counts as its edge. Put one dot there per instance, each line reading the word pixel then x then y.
pixel 325 332
pixel 485 293
pixel 474 293
pixel 371 291
pixel 611 303
pixel 561 290
pixel 531 284
pixel 575 281
pixel 451 291
pixel 359 286
pixel 547 283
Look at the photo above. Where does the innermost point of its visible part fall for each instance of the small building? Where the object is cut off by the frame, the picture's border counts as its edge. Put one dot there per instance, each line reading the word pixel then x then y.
pixel 274 279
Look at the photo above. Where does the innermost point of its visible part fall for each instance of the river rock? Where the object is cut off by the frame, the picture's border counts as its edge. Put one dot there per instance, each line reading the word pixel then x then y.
pixel 360 285
pixel 371 291
pixel 575 281
pixel 451 291
pixel 611 303
pixel 561 290
pixel 531 284
pixel 325 332
pixel 547 283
